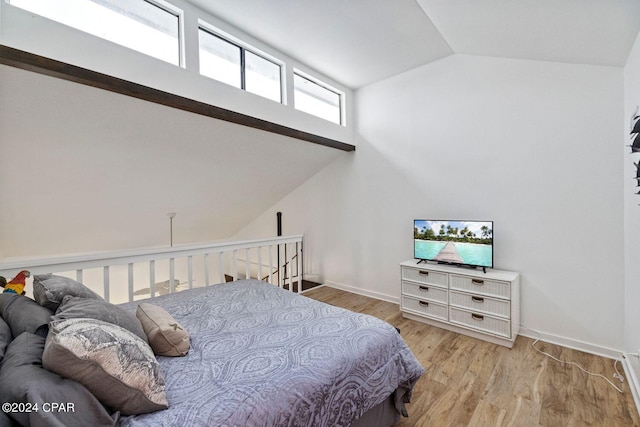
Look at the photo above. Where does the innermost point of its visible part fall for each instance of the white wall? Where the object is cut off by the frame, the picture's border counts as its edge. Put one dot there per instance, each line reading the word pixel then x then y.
pixel 530 145
pixel 83 170
pixel 632 210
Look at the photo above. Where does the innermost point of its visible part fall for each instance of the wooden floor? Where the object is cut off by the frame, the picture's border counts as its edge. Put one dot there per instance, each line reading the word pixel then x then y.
pixel 469 382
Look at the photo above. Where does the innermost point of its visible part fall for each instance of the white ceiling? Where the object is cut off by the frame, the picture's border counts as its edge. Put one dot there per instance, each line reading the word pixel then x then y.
pixel 358 42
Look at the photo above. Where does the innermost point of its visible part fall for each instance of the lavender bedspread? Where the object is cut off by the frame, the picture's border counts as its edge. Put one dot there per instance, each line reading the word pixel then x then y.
pixel 262 356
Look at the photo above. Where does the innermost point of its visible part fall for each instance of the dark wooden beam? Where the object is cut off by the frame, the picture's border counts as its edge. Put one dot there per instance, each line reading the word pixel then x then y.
pixel 50 67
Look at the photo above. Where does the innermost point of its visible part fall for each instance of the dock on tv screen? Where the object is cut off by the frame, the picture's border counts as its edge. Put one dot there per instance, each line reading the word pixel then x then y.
pixel 454 242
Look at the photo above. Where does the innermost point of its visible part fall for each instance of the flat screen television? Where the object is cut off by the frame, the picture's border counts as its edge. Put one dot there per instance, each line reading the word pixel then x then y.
pixel 464 243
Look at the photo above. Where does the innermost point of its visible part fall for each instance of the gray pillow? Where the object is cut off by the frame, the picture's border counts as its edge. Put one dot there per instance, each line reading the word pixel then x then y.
pixel 23 380
pixel 5 338
pixel 23 314
pixel 114 364
pixel 5 421
pixel 76 308
pixel 49 290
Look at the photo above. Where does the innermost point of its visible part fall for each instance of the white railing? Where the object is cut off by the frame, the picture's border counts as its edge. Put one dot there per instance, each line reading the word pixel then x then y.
pixel 124 275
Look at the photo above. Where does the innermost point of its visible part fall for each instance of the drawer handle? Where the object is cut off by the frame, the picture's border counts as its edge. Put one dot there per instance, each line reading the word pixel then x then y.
pixel 423 303
pixel 477 316
pixel 477 299
pixel 424 288
pixel 477 281
pixel 423 273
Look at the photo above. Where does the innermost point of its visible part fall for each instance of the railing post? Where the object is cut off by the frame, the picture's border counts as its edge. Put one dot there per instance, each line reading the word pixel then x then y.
pixel 259 262
pixel 289 265
pixel 105 275
pixel 152 278
pixel 271 264
pixel 171 274
pixel 300 274
pixel 206 269
pixel 235 265
pixel 130 267
pixel 247 273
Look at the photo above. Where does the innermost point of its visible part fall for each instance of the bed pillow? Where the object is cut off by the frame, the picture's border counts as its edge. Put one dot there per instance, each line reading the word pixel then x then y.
pixel 111 362
pixel 75 308
pixel 166 336
pixel 23 314
pixel 5 338
pixel 23 380
pixel 5 421
pixel 49 290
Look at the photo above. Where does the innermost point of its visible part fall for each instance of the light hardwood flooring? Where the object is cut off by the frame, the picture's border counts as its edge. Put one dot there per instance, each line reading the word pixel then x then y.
pixel 469 382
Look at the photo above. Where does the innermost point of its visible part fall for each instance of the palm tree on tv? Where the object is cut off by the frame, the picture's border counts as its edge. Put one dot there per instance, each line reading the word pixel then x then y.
pixel 424 234
pixel 449 230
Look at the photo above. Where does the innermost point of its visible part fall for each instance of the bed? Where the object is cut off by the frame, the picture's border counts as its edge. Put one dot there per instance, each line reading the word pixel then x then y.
pixel 262 356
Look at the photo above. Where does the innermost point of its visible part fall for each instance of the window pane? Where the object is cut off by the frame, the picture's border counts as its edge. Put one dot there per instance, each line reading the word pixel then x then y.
pixel 219 59
pixel 136 24
pixel 314 99
pixel 262 76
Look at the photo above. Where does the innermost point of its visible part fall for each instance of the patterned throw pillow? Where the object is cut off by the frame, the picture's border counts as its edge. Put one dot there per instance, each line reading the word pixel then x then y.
pixel 116 366
pixel 166 336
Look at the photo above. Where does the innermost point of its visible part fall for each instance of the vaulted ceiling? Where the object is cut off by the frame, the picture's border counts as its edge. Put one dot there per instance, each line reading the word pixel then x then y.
pixel 358 42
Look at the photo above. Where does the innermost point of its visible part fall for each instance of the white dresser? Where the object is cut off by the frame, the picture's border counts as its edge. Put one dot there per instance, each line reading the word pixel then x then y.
pixel 463 300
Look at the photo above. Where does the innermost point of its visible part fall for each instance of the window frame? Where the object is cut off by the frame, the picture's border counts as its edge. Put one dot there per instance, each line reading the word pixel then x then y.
pixel 244 47
pixel 326 86
pixel 179 13
pixel 163 5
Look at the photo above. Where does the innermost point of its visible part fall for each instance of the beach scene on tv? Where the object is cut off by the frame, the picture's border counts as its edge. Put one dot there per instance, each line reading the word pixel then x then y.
pixel 456 242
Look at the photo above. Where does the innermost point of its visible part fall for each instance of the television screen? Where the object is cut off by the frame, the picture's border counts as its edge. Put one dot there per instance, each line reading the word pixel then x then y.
pixel 454 242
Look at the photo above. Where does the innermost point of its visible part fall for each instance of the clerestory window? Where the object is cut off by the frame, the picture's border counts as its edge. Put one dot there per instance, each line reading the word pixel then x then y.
pixel 150 27
pixel 238 66
pixel 314 97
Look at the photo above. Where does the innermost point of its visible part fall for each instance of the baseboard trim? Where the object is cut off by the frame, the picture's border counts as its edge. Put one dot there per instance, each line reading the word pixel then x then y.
pixel 364 292
pixel 312 289
pixel 632 378
pixel 607 352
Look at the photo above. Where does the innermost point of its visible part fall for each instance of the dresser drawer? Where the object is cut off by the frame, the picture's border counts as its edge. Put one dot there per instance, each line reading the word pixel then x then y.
pixel 480 322
pixel 492 288
pixel 425 276
pixel 428 292
pixel 482 304
pixel 425 308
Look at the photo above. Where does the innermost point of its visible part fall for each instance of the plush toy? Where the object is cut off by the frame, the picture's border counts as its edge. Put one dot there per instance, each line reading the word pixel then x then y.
pixel 16 285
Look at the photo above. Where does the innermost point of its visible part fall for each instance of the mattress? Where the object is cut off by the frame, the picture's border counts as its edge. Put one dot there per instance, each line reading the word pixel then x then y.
pixel 263 356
